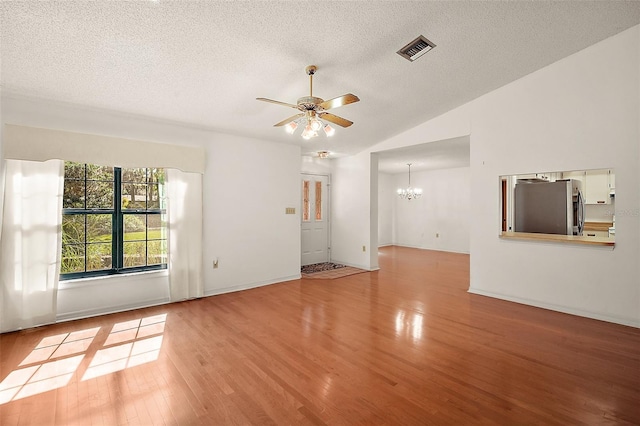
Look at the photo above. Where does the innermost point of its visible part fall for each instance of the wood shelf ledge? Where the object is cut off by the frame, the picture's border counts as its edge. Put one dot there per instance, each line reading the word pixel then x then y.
pixel 597 226
pixel 556 238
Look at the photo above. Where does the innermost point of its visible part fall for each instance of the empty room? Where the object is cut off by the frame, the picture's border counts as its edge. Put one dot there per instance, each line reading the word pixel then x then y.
pixel 341 212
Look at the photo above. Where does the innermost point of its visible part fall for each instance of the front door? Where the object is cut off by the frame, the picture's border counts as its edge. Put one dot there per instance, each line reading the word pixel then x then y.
pixel 315 221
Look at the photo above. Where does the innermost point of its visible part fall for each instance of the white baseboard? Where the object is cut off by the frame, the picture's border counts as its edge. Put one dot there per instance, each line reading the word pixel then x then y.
pixel 632 322
pixel 431 248
pixel 71 316
pixel 223 290
pixel 87 313
pixel 353 265
pixel 76 315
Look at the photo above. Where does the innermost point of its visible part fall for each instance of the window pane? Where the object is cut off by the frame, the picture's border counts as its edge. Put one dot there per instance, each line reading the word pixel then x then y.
pixel 134 196
pixel 95 172
pixel 73 197
pixel 156 227
pixel 72 258
pixel 73 231
pixel 318 200
pixel 73 170
pixel 135 253
pixel 98 257
pixel 306 210
pixel 153 196
pixel 157 252
pixel 156 175
pixel 135 227
pixel 99 228
pixel 99 195
pixel 137 175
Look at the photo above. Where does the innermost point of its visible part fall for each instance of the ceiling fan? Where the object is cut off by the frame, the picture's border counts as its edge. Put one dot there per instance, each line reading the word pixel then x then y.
pixel 313 109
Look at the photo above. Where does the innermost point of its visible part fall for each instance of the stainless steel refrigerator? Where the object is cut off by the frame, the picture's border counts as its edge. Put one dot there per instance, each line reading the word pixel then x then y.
pixel 549 207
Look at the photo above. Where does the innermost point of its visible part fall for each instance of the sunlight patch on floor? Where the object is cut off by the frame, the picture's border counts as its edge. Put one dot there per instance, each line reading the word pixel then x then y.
pixel 55 359
pixel 138 349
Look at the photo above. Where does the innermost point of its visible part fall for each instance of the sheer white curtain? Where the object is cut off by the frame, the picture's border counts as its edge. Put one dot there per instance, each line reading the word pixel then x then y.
pixel 31 243
pixel 184 209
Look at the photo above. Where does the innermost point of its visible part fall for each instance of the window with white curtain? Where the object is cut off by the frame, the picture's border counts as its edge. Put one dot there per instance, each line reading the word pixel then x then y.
pixel 113 220
pixel 98 207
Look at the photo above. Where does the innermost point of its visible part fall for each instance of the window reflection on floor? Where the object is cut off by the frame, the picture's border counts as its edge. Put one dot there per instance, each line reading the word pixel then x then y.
pixel 43 373
pixel 138 349
pixel 55 359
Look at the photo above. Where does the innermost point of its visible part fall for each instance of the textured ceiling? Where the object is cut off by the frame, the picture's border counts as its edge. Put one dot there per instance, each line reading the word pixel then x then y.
pixel 204 63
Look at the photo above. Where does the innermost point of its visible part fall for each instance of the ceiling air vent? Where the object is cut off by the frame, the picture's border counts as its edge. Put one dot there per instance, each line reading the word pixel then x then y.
pixel 416 48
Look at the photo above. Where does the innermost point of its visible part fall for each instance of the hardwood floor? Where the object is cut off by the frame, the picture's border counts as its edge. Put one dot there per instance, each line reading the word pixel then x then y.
pixel 404 345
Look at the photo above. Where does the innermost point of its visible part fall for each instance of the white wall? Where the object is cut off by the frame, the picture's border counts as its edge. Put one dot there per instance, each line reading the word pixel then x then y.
pixel 351 213
pixel 246 228
pixel 578 113
pixel 246 188
pixel 443 209
pixel 386 208
pixel 1 185
pixel 373 212
pixel 315 165
pixel 1 173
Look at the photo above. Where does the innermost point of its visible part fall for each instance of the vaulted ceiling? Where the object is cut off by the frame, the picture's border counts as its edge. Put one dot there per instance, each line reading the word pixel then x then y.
pixel 205 63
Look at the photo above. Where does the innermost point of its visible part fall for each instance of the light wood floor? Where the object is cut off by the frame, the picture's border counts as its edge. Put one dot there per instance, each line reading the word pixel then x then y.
pixel 403 345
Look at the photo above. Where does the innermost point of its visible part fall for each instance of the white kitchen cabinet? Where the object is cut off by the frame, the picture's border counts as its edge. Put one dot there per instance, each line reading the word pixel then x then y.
pixel 612 180
pixel 597 184
pixel 541 176
pixel 597 234
pixel 577 175
pixel 597 189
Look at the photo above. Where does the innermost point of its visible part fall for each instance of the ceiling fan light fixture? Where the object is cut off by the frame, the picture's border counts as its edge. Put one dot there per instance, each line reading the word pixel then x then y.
pixel 315 124
pixel 291 127
pixel 308 132
pixel 329 131
pixel 312 108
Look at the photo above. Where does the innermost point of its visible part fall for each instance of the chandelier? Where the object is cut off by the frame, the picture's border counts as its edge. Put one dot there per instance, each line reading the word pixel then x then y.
pixel 312 127
pixel 409 193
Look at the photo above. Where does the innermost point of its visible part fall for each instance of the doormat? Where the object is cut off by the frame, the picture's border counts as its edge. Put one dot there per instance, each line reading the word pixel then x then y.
pixel 320 267
pixel 328 271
